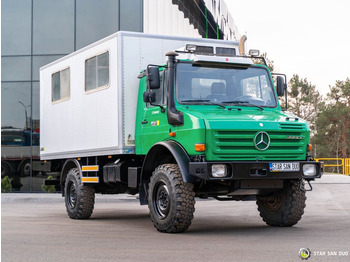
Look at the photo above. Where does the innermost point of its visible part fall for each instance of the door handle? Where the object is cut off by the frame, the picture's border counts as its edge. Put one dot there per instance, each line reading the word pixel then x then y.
pixel 144 122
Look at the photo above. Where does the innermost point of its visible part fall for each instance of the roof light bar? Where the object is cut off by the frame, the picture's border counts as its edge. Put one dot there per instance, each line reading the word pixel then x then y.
pixel 199 49
pixel 225 51
pixel 254 52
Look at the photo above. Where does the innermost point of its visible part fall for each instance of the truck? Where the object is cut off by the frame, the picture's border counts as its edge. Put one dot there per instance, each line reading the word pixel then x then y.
pixel 173 119
pixel 16 151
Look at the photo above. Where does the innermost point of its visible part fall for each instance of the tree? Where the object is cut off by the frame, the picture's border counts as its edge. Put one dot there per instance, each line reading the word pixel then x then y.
pixel 50 188
pixel 270 63
pixel 5 185
pixel 304 100
pixel 333 123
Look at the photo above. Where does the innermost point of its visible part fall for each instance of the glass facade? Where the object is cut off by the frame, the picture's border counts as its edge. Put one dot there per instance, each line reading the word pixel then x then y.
pixel 35 33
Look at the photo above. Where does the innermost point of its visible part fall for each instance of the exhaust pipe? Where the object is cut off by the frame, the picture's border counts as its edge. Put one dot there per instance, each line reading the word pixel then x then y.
pixel 241 45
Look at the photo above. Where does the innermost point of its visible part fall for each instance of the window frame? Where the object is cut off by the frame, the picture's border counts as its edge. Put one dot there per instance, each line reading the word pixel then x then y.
pixel 99 88
pixel 69 85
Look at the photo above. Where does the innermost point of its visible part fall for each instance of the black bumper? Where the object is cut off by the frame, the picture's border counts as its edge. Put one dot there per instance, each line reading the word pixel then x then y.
pixel 240 170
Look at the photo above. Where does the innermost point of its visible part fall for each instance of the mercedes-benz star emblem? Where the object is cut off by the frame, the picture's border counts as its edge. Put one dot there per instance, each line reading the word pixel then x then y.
pixel 262 141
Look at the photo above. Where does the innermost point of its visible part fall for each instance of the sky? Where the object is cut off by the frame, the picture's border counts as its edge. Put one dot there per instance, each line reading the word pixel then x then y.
pixel 305 37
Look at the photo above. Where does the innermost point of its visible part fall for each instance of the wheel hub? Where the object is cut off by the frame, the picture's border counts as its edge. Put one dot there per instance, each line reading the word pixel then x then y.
pixel 72 195
pixel 161 201
pixel 274 203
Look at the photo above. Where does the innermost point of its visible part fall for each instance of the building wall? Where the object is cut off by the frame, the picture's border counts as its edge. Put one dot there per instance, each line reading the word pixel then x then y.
pixel 163 17
pixel 37 32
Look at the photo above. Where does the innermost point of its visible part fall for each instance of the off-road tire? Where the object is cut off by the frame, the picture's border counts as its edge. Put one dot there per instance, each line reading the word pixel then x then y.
pixel 285 207
pixel 5 170
pixel 170 200
pixel 79 198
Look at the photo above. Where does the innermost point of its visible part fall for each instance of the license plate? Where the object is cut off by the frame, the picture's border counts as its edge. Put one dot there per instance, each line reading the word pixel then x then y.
pixel 284 167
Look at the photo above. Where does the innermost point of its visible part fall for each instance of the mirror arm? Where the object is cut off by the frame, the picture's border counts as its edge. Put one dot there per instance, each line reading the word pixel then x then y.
pixel 162 109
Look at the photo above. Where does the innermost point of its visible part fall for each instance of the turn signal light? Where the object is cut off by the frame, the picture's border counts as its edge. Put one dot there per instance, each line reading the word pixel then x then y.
pixel 309 147
pixel 172 134
pixel 199 147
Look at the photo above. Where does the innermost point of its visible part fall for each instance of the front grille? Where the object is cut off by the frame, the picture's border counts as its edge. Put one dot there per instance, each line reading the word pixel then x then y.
pixel 239 145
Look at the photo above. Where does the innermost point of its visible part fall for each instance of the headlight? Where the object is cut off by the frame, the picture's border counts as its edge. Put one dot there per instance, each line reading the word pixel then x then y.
pixel 219 171
pixel 309 170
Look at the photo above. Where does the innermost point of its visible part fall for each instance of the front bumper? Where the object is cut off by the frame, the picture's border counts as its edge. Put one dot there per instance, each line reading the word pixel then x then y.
pixel 245 170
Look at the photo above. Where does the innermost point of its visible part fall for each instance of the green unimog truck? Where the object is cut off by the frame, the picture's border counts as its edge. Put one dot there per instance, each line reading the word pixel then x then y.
pixel 173 119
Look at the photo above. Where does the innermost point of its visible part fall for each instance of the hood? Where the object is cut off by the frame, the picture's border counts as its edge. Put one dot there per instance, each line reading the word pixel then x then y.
pixel 232 134
pixel 246 117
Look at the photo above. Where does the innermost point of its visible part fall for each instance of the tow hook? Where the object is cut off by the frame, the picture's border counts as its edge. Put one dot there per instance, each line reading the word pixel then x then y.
pixel 304 189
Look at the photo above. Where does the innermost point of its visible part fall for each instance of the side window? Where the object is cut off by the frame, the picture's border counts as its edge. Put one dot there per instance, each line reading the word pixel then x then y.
pixel 60 85
pixel 97 72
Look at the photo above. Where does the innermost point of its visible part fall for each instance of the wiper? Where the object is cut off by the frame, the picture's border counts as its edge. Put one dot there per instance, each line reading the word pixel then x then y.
pixel 203 101
pixel 241 102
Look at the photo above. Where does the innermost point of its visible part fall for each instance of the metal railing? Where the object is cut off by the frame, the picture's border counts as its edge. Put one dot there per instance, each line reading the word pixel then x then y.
pixel 344 163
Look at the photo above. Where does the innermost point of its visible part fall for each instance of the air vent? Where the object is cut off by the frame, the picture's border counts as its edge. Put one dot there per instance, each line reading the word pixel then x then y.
pixel 295 126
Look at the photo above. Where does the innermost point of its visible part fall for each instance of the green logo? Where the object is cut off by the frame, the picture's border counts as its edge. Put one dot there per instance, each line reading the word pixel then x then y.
pixel 262 141
pixel 304 253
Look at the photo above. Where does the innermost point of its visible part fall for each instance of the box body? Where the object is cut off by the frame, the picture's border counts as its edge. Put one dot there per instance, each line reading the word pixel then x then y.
pixel 101 122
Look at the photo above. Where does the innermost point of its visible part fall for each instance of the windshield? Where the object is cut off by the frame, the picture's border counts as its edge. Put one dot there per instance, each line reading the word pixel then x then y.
pixel 225 86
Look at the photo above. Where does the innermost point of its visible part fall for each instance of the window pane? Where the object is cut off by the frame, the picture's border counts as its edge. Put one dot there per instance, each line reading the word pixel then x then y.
pixel 61 85
pixel 56 87
pixel 15 68
pixel 53 27
pixel 65 83
pixel 103 70
pixel 15 27
pixel 97 71
pixel 15 104
pixel 131 15
pixel 90 74
pixel 36 107
pixel 96 20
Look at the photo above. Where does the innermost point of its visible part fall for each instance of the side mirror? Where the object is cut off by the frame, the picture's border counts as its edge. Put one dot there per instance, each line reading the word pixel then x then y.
pixel 149 96
pixel 281 86
pixel 153 77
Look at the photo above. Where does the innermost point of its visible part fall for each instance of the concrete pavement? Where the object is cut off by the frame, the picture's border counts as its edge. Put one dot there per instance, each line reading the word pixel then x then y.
pixel 35 227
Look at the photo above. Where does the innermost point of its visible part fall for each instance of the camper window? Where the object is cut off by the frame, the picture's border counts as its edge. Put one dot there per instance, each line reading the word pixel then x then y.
pixel 60 85
pixel 97 72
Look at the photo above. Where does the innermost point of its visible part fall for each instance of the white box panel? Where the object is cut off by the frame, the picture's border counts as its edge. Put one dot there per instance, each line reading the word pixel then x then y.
pixel 101 122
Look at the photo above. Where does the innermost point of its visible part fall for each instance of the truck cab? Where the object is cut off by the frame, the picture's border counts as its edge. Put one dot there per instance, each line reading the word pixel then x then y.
pixel 216 117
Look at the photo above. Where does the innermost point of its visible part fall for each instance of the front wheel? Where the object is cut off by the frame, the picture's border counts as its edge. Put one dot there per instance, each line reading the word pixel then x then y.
pixel 285 207
pixel 79 199
pixel 170 200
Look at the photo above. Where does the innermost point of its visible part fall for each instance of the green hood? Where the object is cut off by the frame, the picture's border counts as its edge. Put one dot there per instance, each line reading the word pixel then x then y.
pixel 233 134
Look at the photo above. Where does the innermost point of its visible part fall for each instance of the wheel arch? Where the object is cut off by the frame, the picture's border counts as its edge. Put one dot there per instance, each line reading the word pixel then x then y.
pixel 162 153
pixel 68 165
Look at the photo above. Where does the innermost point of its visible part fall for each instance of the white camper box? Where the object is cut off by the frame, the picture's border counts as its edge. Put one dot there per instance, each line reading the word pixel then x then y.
pixel 101 121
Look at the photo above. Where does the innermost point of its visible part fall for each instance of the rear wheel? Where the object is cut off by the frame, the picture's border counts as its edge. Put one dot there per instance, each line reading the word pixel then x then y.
pixel 285 207
pixel 79 199
pixel 5 169
pixel 170 200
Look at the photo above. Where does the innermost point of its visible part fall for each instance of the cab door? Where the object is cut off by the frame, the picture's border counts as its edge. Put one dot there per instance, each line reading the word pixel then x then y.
pixel 154 124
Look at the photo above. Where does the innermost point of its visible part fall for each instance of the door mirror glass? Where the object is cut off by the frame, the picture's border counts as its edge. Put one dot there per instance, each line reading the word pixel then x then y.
pixel 153 77
pixel 281 86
